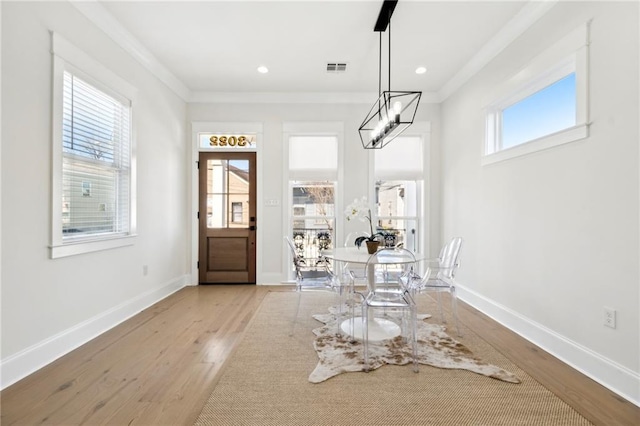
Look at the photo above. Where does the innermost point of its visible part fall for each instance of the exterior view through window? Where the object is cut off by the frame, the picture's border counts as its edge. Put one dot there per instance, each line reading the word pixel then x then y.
pixel 547 111
pixel 228 193
pixel 96 161
pixel 313 217
pixel 397 212
pixel 398 191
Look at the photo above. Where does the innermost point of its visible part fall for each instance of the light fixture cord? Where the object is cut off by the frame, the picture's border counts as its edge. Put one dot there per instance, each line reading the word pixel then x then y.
pixel 379 70
pixel 389 24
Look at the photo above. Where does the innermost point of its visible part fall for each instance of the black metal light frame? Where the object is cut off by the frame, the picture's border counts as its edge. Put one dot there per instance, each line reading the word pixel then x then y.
pixel 384 123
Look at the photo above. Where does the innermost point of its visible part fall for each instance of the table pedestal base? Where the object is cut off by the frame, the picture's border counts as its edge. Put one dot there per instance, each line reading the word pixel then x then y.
pixel 379 328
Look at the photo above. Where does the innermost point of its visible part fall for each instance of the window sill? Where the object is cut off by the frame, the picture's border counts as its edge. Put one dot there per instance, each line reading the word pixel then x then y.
pixel 571 134
pixel 82 247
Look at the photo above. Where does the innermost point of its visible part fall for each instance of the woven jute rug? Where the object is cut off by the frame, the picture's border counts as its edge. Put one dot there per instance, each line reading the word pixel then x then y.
pixel 265 382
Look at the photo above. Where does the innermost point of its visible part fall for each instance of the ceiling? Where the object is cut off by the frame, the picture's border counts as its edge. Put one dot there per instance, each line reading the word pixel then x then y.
pixel 216 46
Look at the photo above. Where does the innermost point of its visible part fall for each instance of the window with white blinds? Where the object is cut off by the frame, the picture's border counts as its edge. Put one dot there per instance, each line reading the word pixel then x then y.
pixel 93 165
pixel 313 157
pixel 313 176
pixel 402 159
pixel 398 171
pixel 96 161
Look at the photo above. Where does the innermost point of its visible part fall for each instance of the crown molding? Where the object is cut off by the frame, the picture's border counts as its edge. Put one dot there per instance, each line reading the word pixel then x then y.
pixel 528 15
pixel 100 17
pixel 294 97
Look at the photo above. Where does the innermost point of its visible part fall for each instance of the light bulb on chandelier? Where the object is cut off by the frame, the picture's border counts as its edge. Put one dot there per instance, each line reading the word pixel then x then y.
pixel 390 120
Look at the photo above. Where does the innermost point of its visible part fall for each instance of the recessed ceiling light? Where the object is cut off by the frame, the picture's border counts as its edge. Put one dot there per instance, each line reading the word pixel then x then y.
pixel 421 70
pixel 262 69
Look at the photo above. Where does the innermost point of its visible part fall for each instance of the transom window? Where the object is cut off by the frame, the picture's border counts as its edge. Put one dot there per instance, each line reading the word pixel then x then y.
pixel 542 105
pixel 547 111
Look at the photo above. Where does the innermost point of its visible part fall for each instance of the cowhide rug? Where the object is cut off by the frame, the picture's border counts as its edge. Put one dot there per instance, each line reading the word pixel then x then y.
pixel 338 354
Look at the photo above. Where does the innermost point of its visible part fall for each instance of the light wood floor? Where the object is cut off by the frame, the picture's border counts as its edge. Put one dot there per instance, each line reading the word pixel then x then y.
pixel 159 367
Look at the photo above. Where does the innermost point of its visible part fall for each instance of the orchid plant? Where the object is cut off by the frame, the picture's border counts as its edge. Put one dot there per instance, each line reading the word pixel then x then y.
pixel 360 210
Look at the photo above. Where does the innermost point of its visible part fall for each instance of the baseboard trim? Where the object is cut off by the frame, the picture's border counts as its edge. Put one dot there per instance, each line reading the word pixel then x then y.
pixel 270 278
pixel 33 358
pixel 617 378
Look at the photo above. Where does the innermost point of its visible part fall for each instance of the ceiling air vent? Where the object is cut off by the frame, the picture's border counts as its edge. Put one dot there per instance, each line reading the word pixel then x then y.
pixel 336 67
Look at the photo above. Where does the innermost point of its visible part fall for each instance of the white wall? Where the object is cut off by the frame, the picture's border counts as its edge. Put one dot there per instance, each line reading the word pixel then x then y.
pixel 356 162
pixel 552 237
pixel 549 238
pixel 0 187
pixel 50 306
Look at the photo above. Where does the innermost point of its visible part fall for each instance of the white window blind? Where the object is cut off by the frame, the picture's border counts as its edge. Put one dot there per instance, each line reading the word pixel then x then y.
pixel 96 164
pixel 401 159
pixel 313 157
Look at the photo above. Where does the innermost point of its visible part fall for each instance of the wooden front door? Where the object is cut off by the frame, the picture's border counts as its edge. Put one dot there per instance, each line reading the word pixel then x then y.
pixel 227 246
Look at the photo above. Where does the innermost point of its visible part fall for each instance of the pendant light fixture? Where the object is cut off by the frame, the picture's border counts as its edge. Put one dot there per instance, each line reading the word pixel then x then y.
pixel 394 111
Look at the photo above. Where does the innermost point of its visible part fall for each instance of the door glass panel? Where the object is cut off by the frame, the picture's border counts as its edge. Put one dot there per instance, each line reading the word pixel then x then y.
pixel 396 198
pixel 215 207
pixel 227 193
pixel 399 231
pixel 397 211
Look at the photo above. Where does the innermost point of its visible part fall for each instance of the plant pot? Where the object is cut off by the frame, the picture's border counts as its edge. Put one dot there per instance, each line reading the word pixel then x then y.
pixel 372 246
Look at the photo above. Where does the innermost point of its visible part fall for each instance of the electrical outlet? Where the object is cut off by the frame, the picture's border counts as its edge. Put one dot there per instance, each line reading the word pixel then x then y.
pixel 609 317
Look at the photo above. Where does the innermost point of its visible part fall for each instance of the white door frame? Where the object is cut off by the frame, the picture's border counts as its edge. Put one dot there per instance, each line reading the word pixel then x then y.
pixel 305 128
pixel 198 127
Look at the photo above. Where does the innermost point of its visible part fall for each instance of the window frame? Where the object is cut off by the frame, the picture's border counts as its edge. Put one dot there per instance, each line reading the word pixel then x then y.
pixel 67 57
pixel 310 129
pixel 419 177
pixel 235 212
pixel 568 55
pixel 417 218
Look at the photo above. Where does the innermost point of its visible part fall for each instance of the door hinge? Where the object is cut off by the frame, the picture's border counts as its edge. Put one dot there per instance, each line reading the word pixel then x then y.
pixel 198 164
pixel 198 215
pixel 198 265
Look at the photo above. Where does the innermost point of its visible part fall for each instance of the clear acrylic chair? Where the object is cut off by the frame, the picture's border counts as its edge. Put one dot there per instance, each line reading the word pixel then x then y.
pixel 353 273
pixel 320 278
pixel 387 295
pixel 440 277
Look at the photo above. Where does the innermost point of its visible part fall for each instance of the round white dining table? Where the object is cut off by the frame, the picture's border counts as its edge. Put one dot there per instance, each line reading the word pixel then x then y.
pixel 358 255
pixel 379 328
